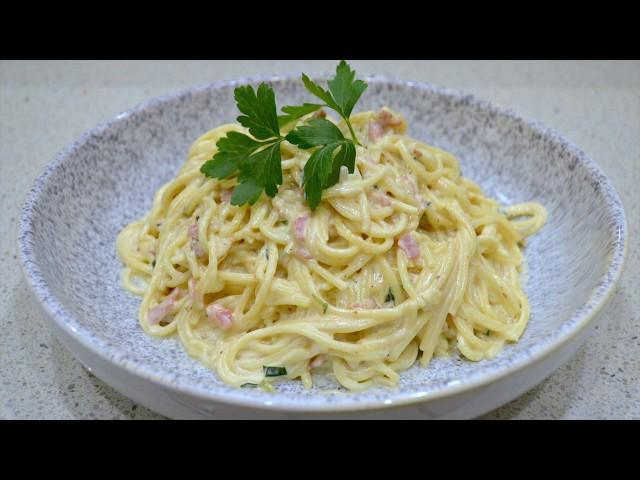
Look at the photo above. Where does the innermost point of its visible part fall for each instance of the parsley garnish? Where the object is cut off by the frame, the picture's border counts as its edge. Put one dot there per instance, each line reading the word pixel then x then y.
pixel 390 297
pixel 322 303
pixel 257 161
pixel 274 371
pixel 263 385
pixel 322 170
pixel 343 94
pixel 296 112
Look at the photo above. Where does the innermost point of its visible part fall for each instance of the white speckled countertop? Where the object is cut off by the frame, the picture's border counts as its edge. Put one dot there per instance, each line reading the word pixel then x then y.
pixel 46 105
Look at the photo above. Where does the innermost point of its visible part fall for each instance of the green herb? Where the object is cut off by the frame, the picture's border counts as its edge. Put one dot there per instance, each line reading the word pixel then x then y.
pixel 257 159
pixel 274 371
pixel 322 303
pixel 259 111
pixel 322 170
pixel 390 297
pixel 153 264
pixel 343 94
pixel 263 385
pixel 295 112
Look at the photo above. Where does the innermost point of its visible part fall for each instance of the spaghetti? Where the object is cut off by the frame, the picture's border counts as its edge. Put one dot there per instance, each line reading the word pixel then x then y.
pixel 402 260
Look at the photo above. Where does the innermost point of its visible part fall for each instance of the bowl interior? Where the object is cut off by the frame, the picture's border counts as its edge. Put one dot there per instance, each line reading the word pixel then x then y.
pixel 108 178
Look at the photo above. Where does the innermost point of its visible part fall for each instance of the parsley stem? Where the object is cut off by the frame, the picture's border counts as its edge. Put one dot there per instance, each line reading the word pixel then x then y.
pixel 353 134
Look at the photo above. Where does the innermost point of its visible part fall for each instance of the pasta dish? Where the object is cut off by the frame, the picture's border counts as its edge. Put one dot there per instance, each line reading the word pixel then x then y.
pixel 403 259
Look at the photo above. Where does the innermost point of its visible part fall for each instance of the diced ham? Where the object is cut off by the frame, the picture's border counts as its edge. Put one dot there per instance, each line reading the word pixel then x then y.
pixel 319 114
pixel 384 200
pixel 303 253
pixel 381 198
pixel 300 227
pixel 160 311
pixel 367 304
pixel 192 290
pixel 384 120
pixel 316 361
pixel 225 195
pixel 195 241
pixel 417 153
pixel 221 315
pixel 376 131
pixel 409 246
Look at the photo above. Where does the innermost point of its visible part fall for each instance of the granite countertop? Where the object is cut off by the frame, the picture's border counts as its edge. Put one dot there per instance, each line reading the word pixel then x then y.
pixel 45 105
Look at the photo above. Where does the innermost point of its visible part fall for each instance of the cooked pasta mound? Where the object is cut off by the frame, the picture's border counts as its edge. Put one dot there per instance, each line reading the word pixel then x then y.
pixel 402 260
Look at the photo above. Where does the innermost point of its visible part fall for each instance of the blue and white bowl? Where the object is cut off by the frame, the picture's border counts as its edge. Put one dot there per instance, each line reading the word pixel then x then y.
pixel 107 178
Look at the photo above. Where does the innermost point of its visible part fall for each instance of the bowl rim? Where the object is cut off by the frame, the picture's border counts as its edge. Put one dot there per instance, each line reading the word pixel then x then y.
pixel 115 358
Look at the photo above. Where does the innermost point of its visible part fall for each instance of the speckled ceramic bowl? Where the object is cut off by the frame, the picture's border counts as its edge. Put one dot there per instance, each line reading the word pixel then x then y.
pixel 107 178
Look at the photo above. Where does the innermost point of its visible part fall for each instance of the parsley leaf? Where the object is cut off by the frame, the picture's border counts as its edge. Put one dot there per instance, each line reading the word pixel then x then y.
pixel 315 133
pixel 320 92
pixel 246 192
pixel 322 170
pixel 344 92
pixel 295 112
pixel 256 159
pixel 264 172
pixel 346 156
pixel 233 150
pixel 259 111
pixel 259 162
pixel 317 167
pixel 274 371
pixel 271 161
pixel 345 89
